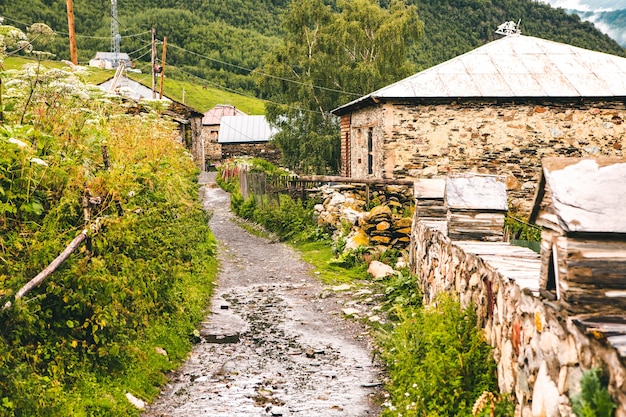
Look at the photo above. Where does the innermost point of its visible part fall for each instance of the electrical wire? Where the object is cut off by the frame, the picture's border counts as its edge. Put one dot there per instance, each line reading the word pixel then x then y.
pixel 265 74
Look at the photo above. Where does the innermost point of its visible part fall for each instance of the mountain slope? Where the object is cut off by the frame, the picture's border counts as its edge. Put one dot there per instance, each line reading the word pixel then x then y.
pixel 221 41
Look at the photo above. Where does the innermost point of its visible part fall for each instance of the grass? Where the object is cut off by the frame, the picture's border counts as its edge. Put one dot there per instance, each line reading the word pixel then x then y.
pixel 320 255
pixel 200 97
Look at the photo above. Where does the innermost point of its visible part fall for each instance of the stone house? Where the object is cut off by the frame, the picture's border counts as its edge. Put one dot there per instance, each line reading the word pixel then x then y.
pixel 580 207
pixel 495 110
pixel 210 130
pixel 247 136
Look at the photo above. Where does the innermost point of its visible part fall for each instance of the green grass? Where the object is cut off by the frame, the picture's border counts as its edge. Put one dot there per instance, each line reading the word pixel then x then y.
pixel 320 255
pixel 201 98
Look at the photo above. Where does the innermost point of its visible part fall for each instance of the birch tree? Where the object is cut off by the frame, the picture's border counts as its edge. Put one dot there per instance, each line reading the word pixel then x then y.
pixel 330 56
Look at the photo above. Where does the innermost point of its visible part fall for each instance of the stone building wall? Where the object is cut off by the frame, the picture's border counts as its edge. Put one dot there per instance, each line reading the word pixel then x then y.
pixel 541 354
pixel 212 149
pixel 426 141
pixel 266 150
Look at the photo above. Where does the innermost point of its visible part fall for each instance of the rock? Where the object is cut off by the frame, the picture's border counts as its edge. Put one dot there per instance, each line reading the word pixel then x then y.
pixel 381 240
pixel 337 199
pixel 379 212
pixel 140 404
pixel 342 287
pixel 383 226
pixel 379 270
pixel 545 393
pixel 160 351
pixel 350 311
pixel 356 239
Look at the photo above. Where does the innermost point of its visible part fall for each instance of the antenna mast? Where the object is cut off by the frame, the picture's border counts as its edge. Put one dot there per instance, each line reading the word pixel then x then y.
pixel 115 35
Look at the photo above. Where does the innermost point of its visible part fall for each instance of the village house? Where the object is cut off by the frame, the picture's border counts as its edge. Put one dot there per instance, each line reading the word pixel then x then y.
pixel 210 130
pixel 496 110
pixel 247 136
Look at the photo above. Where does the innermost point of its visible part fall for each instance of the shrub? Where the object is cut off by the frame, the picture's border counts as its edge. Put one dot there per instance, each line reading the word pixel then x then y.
pixel 438 361
pixel 594 399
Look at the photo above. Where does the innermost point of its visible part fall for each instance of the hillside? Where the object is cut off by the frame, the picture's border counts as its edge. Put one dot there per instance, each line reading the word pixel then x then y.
pixel 221 41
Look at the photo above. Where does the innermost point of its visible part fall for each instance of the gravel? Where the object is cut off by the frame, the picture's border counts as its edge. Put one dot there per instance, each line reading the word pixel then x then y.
pixel 276 342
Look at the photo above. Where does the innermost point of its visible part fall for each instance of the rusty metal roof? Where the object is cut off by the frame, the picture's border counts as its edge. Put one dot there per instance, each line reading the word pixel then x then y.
pixel 587 195
pixel 514 66
pixel 213 116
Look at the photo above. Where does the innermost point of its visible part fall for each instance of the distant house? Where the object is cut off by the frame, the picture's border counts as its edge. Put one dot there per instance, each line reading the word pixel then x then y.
pixel 110 60
pixel 211 127
pixel 495 110
pixel 247 136
pixel 129 88
pixel 580 207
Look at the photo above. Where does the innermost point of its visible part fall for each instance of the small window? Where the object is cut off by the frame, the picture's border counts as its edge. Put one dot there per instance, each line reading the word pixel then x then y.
pixel 370 151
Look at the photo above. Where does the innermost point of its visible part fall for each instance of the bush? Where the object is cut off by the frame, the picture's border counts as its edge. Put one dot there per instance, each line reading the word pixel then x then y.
pixel 594 399
pixel 438 361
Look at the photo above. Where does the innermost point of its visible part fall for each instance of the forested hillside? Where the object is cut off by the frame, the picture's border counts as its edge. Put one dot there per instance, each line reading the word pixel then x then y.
pixel 221 41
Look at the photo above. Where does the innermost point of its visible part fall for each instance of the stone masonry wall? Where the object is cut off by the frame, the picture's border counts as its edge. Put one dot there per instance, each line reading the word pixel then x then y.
pixel 426 141
pixel 541 354
pixel 267 151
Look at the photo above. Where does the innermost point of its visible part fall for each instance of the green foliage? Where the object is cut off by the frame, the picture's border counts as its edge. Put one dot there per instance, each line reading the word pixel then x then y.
pixel 521 230
pixel 77 343
pixel 594 399
pixel 335 55
pixel 438 361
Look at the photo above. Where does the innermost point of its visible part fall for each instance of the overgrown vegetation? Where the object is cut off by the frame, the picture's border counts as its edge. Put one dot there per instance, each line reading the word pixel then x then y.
pixel 99 326
pixel 594 399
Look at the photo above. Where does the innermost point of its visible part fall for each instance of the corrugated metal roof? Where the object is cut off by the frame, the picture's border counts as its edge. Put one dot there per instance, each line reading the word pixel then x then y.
pixel 213 116
pixel 238 129
pixel 588 195
pixel 111 56
pixel 514 66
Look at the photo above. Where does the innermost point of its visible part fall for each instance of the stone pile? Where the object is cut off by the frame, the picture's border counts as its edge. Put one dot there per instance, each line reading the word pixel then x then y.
pixel 344 211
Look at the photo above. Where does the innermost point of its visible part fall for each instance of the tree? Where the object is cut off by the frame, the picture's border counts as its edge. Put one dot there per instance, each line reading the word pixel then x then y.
pixel 327 58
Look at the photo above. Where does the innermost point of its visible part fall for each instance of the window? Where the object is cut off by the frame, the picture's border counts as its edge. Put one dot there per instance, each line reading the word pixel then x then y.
pixel 370 151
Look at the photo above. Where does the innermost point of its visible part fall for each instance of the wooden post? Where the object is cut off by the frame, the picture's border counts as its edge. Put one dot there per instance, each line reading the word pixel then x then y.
pixel 70 25
pixel 163 67
pixel 153 63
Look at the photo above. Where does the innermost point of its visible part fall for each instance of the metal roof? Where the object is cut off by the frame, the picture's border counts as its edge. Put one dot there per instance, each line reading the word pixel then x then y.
pixel 130 89
pixel 213 116
pixel 514 66
pixel 588 195
pixel 241 129
pixel 112 56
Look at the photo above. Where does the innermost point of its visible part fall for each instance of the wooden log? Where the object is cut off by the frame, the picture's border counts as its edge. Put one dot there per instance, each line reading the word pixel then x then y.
pixel 33 283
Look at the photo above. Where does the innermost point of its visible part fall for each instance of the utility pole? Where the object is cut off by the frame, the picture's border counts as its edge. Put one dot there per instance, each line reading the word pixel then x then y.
pixel 153 63
pixel 70 24
pixel 163 66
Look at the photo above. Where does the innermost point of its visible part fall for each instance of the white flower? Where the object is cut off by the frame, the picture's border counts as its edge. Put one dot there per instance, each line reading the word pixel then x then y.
pixel 17 142
pixel 38 161
pixel 131 193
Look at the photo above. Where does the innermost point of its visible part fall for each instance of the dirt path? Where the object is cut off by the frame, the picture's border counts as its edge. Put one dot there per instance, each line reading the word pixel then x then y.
pixel 272 346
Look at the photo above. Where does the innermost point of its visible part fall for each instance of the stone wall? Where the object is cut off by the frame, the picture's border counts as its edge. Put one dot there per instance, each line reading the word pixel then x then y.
pixel 426 141
pixel 541 354
pixel 265 150
pixel 212 149
pixel 344 209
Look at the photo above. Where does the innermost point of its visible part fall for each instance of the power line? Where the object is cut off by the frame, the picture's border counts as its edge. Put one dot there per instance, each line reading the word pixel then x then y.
pixel 267 75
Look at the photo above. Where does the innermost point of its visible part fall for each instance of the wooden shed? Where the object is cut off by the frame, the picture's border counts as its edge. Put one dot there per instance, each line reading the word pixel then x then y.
pixel 580 205
pixel 477 205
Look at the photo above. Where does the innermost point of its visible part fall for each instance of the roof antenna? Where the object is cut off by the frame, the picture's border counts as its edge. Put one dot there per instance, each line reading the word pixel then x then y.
pixel 509 28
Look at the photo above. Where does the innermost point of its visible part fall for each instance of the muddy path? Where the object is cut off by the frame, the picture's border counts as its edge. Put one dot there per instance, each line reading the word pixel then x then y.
pixel 275 343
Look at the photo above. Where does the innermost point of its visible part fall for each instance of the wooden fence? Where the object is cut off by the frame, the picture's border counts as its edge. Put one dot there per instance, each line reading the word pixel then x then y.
pixel 266 189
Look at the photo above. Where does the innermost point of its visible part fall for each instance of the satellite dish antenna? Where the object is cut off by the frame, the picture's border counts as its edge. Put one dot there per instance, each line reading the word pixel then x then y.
pixel 509 28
